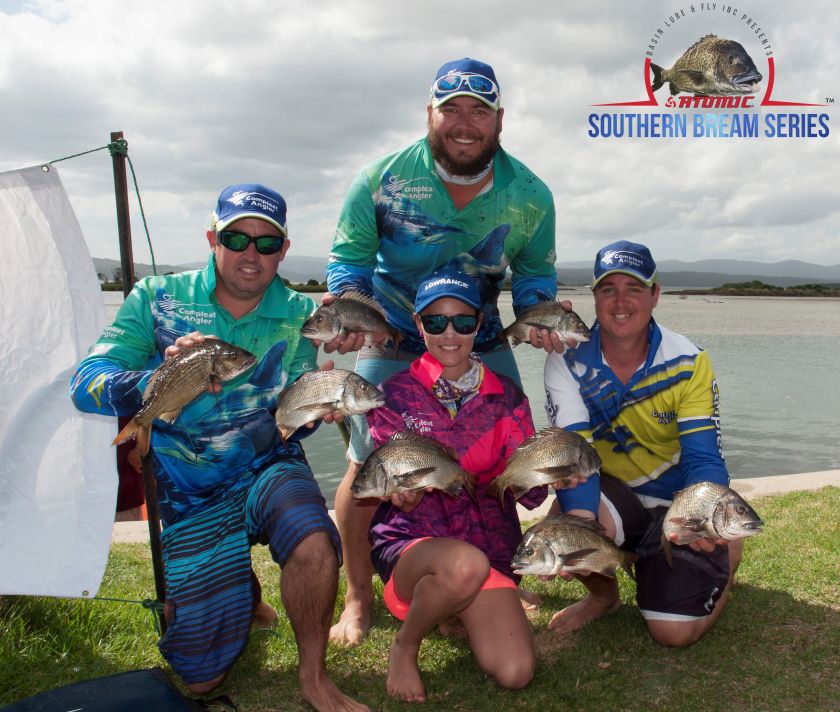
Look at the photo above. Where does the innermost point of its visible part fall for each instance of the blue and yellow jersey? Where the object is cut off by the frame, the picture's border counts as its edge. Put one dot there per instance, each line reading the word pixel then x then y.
pixel 399 224
pixel 658 433
pixel 219 438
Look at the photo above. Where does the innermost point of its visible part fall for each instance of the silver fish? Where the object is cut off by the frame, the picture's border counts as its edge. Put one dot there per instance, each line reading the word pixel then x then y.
pixel 708 509
pixel 551 455
pixel 711 66
pixel 410 462
pixel 317 393
pixel 567 544
pixel 547 315
pixel 351 311
pixel 180 379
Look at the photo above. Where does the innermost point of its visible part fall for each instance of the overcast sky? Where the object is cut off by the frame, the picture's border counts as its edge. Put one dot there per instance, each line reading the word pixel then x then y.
pixel 301 95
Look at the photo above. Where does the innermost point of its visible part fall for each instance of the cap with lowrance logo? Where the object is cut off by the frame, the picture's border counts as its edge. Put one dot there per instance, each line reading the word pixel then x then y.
pixel 449 283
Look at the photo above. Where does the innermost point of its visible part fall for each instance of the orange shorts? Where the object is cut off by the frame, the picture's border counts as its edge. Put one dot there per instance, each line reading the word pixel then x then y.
pixel 399 608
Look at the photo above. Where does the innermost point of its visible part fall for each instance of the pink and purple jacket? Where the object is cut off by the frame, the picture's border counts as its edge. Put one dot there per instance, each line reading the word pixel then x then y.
pixel 484 433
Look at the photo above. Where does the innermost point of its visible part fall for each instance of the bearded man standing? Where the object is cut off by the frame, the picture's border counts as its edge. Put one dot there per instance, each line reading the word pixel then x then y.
pixel 453 200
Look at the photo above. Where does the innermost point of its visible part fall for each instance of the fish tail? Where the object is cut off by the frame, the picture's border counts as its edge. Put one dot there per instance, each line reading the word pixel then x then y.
pixel 469 485
pixel 657 77
pixel 497 491
pixel 397 338
pixel 627 563
pixel 666 546
pixel 135 431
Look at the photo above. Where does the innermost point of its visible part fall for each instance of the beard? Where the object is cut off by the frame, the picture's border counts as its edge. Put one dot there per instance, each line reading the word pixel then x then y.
pixel 464 168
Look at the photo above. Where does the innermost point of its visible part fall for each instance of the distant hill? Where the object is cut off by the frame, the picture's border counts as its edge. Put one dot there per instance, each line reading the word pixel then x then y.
pixel 672 273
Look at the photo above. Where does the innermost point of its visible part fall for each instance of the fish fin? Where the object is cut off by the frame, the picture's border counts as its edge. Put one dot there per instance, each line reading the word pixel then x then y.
pixel 627 561
pixel 170 416
pixel 694 524
pixel 692 75
pixel 576 557
pixel 364 299
pixel 409 480
pixel 657 77
pixel 285 433
pixel 666 547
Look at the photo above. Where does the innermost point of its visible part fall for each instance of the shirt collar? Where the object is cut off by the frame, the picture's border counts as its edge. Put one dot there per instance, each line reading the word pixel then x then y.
pixel 589 352
pixel 503 173
pixel 427 369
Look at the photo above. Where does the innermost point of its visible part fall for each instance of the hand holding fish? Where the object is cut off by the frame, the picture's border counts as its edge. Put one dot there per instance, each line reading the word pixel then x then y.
pixel 549 340
pixel 187 342
pixel 334 416
pixel 347 339
pixel 406 501
pixel 702 546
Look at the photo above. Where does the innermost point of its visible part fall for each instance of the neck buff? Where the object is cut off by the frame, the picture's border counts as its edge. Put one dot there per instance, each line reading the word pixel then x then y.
pixel 453 394
pixel 447 177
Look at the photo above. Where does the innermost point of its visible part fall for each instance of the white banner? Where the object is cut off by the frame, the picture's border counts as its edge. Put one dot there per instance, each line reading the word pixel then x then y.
pixel 58 479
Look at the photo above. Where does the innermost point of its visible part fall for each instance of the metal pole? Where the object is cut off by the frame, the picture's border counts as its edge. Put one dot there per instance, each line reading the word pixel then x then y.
pixel 127 269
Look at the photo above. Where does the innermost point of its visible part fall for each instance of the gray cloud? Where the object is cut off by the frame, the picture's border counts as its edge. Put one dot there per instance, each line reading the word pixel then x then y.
pixel 301 95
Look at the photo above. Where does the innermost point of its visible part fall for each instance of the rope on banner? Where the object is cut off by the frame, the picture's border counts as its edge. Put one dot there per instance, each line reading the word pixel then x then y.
pixel 121 147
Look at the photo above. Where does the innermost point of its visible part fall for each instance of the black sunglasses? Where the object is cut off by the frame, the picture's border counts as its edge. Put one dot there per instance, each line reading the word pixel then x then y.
pixel 435 324
pixel 238 242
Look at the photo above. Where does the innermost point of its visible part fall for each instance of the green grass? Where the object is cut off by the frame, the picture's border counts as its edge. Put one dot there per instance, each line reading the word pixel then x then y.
pixel 776 647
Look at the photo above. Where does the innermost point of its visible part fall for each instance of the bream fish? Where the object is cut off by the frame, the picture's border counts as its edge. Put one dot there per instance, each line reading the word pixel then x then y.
pixel 708 509
pixel 547 315
pixel 180 379
pixel 352 311
pixel 317 393
pixel 567 544
pixel 410 462
pixel 551 455
pixel 711 66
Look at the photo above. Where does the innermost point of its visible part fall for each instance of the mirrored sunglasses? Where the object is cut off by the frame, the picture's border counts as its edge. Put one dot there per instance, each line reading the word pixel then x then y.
pixel 435 324
pixel 238 242
pixel 476 83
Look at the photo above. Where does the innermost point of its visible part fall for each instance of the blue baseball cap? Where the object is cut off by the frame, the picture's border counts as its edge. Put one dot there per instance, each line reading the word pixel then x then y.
pixel 448 283
pixel 249 200
pixel 625 257
pixel 466 77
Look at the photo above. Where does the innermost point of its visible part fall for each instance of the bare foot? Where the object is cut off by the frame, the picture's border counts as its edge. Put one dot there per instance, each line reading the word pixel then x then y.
pixel 353 624
pixel 452 627
pixel 264 616
pixel 324 696
pixel 531 600
pixel 404 681
pixel 202 688
pixel 584 611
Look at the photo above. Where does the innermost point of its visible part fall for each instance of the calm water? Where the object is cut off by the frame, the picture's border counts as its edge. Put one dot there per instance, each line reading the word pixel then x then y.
pixel 775 359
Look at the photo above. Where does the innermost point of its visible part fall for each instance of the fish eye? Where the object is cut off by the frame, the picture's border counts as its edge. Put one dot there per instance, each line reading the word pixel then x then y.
pixel 529 551
pixel 740 509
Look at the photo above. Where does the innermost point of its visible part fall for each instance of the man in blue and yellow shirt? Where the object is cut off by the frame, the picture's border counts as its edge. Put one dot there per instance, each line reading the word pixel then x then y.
pixel 225 479
pixel 648 400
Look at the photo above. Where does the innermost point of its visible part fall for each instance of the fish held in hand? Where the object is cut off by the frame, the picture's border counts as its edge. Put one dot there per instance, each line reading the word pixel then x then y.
pixel 547 315
pixel 317 393
pixel 351 312
pixel 409 462
pixel 569 544
pixel 709 510
pixel 550 455
pixel 180 379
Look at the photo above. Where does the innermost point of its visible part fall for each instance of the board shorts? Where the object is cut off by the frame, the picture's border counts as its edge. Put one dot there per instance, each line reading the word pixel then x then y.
pixel 377 364
pixel 399 607
pixel 685 592
pixel 210 586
